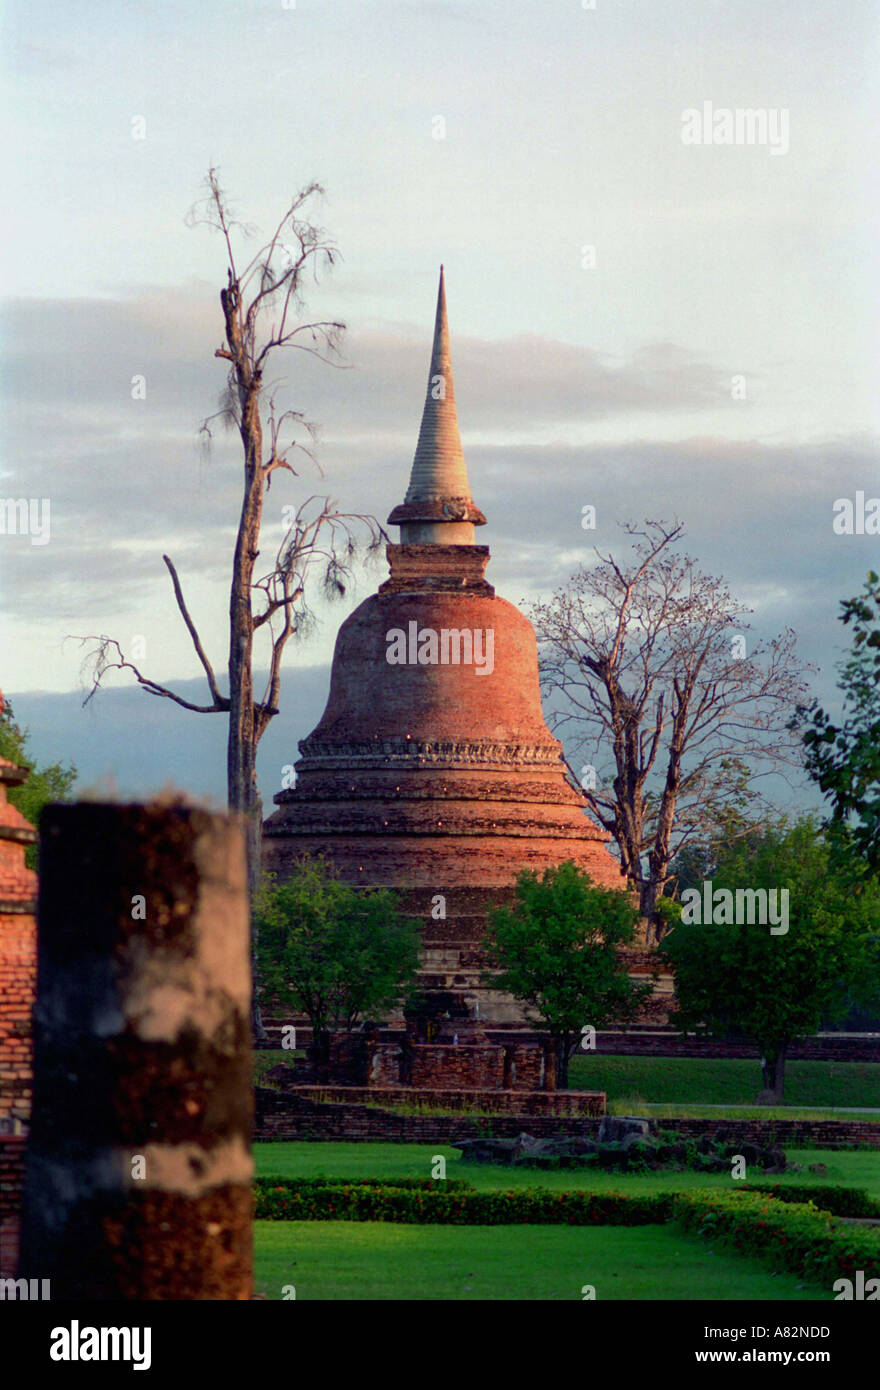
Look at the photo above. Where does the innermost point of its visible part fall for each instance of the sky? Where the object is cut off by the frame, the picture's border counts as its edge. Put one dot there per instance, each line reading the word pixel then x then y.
pixel 649 326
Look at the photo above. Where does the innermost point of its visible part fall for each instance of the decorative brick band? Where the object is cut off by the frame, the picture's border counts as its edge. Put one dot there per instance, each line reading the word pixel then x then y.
pixel 18 834
pixel 407 752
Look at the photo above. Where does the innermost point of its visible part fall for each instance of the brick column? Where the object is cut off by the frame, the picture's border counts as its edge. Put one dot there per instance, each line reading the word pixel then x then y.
pixel 18 956
pixel 138 1173
pixel 18 973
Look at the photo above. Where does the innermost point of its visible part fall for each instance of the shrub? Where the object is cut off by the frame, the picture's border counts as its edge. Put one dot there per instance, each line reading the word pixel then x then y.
pixel 428 1184
pixel 841 1201
pixel 793 1235
pixel 449 1203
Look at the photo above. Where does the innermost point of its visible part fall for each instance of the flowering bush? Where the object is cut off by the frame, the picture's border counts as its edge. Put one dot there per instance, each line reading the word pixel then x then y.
pixel 792 1235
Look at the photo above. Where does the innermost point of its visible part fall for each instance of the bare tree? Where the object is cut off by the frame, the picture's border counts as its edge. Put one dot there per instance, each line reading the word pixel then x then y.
pixel 262 304
pixel 649 659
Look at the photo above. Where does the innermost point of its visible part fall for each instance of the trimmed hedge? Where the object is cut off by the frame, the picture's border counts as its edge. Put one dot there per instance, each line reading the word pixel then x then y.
pixel 793 1236
pixel 791 1227
pixel 422 1184
pixel 840 1201
pixel 293 1201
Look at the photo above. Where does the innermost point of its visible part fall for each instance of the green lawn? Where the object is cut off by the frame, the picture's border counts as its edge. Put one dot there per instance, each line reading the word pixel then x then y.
pixel 634 1105
pixel 685 1081
pixel 383 1260
pixel 378 1260
pixel 848 1168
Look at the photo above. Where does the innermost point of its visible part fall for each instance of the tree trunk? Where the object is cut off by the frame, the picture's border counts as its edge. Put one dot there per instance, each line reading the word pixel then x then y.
pixel 254 860
pixel 658 875
pixel 563 1047
pixel 648 910
pixel 773 1074
pixel 320 1051
pixel 242 744
pixel 549 1066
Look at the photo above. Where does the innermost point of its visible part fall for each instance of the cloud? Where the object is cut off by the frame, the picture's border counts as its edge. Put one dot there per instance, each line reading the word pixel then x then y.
pixel 122 471
pixel 126 483
pixel 82 354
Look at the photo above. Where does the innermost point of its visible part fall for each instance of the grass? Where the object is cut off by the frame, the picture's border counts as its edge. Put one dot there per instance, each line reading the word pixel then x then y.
pixel 635 1105
pixel 695 1081
pixel 265 1061
pixel 380 1260
pixel 847 1168
pixel 349 1260
pixel 682 1085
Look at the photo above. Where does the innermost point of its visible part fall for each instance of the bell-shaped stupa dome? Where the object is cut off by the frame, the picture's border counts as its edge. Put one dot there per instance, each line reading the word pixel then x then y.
pixel 432 770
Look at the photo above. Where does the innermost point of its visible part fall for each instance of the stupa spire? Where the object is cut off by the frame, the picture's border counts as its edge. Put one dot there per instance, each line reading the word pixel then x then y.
pixel 438 506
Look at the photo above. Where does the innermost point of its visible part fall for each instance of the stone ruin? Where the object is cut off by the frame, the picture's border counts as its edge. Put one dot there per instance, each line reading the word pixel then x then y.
pixel 442 1056
pixel 456 1053
pixel 625 1142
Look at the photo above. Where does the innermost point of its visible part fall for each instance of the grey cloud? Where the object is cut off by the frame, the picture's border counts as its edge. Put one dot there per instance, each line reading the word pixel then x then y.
pixel 125 482
pixel 120 472
pixel 85 353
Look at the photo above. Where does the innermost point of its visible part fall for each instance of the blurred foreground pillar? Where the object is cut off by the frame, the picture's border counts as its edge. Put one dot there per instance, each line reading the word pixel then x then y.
pixel 138 1173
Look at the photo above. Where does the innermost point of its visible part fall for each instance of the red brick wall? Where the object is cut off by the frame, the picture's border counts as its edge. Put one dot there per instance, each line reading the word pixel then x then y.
pixel 18 974
pixel 818 1134
pixel 282 1115
pixel 435 1065
pixel 519 1066
pixel 12 1147
pixel 16 881
pixel 458 1099
pixel 18 979
pixel 524 1067
pixel 12 1151
pixel 355 1060
pixel 18 955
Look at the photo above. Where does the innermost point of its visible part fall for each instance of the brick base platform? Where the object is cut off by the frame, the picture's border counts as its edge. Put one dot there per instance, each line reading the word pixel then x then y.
pixel 285 1115
pixel 521 1103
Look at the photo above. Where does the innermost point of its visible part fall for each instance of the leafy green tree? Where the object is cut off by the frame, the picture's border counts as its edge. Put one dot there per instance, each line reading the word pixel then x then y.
pixel 844 758
pixel 556 948
pixel 695 862
pixel 333 952
pixel 742 979
pixel 51 782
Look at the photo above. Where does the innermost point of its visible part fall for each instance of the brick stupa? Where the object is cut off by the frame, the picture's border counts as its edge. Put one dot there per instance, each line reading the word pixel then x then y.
pixel 18 976
pixel 432 770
